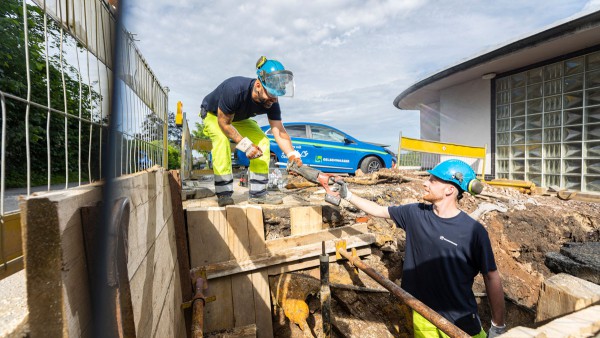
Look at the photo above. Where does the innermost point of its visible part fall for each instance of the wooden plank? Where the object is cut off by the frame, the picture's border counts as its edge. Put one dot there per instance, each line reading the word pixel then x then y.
pixel 259 278
pixel 563 293
pixel 584 323
pixel 241 284
pixel 275 245
pixel 57 283
pixel 208 233
pixel 306 220
pixel 289 255
pixel 183 260
pixel 310 263
pixel 248 331
pixel 218 315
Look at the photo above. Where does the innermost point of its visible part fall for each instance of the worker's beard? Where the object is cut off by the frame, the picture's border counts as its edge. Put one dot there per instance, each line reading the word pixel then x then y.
pixel 432 197
pixel 267 103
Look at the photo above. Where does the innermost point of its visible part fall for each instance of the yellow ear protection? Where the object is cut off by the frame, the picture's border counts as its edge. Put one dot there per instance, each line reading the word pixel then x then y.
pixel 261 61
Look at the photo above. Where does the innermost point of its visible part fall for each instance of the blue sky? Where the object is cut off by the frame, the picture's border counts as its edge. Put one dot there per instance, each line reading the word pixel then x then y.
pixel 350 59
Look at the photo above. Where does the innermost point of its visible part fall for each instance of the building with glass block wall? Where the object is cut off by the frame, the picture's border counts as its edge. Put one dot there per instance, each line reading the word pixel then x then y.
pixel 534 102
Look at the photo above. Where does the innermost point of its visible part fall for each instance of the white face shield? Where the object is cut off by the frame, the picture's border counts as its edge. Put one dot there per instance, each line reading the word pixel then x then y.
pixel 280 83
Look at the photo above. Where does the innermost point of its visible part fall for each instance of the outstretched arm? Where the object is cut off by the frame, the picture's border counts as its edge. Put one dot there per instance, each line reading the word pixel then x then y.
pixel 363 204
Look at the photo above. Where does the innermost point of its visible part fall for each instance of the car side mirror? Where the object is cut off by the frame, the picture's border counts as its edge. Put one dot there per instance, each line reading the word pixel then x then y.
pixel 348 141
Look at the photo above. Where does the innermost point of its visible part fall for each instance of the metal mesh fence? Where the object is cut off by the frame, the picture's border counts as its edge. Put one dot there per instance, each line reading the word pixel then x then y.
pixel 56 82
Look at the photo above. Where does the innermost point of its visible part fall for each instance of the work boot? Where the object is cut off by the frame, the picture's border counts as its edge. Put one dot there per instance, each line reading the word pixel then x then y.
pixel 265 199
pixel 225 200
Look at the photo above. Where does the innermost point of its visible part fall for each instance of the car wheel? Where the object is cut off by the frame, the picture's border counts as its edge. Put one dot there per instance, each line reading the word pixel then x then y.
pixel 370 164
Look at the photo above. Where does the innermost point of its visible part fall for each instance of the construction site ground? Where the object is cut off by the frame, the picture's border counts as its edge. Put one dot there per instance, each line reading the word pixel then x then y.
pixel 523 228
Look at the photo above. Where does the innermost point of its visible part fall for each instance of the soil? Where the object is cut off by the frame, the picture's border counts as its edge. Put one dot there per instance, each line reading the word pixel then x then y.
pixel 522 230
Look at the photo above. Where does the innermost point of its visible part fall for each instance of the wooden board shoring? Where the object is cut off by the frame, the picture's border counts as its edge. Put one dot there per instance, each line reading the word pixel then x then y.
pixel 276 245
pixel 306 220
pixel 241 284
pixel 208 233
pixel 310 262
pixel 233 267
pixel 259 278
pixel 183 258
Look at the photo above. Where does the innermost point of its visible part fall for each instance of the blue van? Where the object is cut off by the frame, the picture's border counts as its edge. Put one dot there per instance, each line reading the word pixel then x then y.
pixel 328 149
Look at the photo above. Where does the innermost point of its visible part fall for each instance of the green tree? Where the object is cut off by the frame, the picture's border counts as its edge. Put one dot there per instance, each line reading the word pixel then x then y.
pixel 13 80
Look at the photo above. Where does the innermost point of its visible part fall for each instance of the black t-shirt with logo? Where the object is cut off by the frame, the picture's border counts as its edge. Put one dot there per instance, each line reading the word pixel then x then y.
pixel 443 256
pixel 234 96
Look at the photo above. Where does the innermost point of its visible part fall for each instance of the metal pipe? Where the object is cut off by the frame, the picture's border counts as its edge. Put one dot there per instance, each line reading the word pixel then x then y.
pixel 435 318
pixel 325 292
pixel 198 309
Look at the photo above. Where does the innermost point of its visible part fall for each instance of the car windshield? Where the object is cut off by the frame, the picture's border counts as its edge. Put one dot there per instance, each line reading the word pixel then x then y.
pixel 326 134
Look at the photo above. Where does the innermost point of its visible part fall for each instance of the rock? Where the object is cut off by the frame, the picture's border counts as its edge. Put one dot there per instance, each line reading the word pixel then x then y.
pixel 578 259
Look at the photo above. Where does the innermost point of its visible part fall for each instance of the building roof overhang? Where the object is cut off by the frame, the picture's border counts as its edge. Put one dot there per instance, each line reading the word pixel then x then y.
pixel 564 38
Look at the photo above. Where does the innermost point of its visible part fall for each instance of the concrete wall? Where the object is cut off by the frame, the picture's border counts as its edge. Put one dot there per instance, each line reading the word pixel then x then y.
pixel 57 278
pixel 465 116
pixel 430 121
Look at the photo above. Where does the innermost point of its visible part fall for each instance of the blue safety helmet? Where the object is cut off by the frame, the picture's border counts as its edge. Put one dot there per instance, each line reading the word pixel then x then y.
pixel 274 77
pixel 458 173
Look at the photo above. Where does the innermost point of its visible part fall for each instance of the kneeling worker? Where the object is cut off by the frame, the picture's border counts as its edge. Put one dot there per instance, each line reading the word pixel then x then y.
pixel 227 113
pixel 445 250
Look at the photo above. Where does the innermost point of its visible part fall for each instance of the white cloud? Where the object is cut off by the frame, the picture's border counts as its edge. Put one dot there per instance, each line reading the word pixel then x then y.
pixel 350 58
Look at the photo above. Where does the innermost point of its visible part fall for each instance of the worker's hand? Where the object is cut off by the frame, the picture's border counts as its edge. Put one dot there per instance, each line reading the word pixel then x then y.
pixel 496 330
pixel 342 188
pixel 294 156
pixel 294 160
pixel 254 152
pixel 251 150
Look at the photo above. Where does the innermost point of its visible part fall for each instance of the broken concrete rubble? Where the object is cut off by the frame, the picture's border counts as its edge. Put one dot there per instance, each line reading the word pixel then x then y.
pixel 578 259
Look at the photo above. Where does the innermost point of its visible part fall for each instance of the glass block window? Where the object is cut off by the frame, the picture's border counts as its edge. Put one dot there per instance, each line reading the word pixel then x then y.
pixel 548 124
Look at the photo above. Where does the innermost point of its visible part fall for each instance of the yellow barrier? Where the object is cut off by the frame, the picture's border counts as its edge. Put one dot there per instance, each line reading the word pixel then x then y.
pixel 12 246
pixel 418 146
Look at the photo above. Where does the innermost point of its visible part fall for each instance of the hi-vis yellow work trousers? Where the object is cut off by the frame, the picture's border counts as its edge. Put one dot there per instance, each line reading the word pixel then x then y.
pixel 221 155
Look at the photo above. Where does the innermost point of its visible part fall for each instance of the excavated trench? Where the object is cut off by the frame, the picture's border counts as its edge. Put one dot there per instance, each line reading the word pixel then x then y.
pixel 522 230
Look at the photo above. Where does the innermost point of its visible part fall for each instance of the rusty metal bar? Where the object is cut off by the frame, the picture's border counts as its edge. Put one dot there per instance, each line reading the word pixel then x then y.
pixel 198 309
pixel 325 292
pixel 435 318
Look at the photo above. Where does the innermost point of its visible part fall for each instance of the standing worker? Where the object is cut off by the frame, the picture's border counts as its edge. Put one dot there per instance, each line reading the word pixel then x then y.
pixel 445 250
pixel 227 113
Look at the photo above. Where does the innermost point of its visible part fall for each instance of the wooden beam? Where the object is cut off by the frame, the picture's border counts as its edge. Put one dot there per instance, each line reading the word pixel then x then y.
pixel 276 245
pixel 306 220
pixel 293 254
pixel 310 263
pixel 183 253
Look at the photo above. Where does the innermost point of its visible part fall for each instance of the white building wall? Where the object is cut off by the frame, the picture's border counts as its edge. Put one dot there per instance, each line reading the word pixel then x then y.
pixel 430 121
pixel 465 116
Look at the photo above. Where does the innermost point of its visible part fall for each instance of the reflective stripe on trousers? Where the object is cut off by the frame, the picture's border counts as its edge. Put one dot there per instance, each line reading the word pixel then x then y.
pixel 224 184
pixel 258 184
pixel 221 155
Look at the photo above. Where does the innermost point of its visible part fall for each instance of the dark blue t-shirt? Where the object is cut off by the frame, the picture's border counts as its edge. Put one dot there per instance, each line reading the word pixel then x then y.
pixel 443 256
pixel 234 96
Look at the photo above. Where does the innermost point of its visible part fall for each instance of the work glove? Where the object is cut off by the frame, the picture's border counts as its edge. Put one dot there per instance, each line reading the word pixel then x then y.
pixel 251 150
pixel 342 188
pixel 294 159
pixel 496 330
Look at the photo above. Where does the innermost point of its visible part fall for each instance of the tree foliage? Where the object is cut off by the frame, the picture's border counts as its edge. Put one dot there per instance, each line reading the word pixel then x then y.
pixel 13 80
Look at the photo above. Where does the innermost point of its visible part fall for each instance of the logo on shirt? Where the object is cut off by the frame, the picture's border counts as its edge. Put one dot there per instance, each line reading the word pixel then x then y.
pixel 447 240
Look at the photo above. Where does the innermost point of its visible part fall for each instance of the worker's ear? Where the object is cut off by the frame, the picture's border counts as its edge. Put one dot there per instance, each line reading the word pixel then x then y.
pixel 450 190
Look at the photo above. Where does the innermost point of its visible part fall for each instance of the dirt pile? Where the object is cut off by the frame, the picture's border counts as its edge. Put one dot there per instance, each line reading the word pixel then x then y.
pixel 522 229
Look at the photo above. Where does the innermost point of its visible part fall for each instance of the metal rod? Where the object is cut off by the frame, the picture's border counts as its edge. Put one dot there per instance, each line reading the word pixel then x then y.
pixel 198 310
pixel 435 318
pixel 325 292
